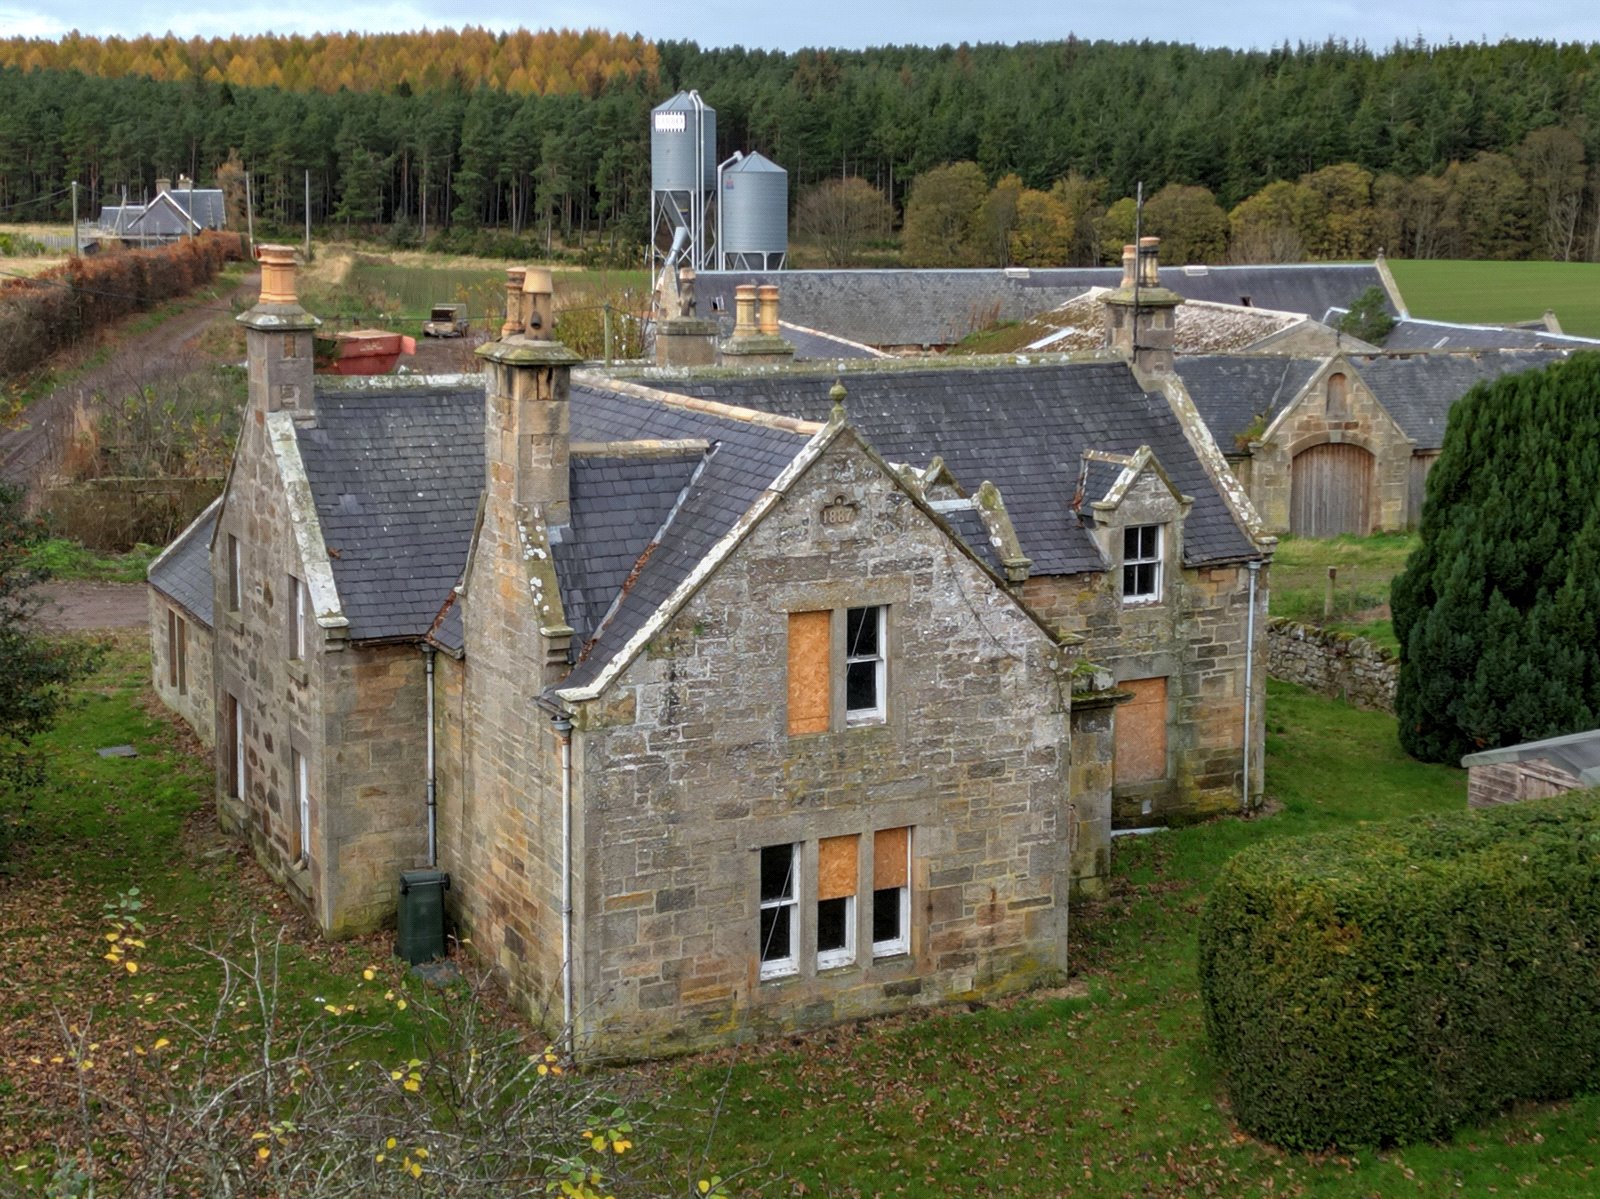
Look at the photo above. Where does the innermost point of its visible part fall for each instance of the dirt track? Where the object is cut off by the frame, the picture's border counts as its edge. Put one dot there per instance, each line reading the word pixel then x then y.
pixel 29 444
pixel 76 607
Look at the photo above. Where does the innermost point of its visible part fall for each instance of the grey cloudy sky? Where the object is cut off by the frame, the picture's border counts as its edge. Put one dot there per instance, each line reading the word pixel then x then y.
pixel 788 26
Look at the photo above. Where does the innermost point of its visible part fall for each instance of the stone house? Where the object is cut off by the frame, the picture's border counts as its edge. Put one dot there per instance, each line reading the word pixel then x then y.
pixel 181 630
pixel 723 717
pixel 1533 770
pixel 1341 443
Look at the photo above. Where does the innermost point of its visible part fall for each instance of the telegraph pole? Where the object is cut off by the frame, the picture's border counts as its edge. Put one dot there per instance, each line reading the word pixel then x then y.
pixel 76 248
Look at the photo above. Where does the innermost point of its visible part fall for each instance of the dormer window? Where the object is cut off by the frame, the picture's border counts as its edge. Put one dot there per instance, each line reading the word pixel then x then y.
pixel 1141 564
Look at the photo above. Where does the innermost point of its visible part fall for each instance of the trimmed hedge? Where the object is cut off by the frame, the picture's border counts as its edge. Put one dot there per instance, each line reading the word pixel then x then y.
pixel 1394 982
pixel 65 304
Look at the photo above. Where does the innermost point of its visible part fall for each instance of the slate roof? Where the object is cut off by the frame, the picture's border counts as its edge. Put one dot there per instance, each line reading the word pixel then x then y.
pixel 174 213
pixel 1576 753
pixel 1443 335
pixel 744 459
pixel 811 345
pixel 1024 428
pixel 395 474
pixel 1418 390
pixel 939 307
pixel 183 571
pixel 1231 390
pixel 619 504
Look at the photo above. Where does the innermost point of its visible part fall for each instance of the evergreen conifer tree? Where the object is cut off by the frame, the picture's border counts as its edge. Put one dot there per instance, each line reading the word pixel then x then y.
pixel 1498 610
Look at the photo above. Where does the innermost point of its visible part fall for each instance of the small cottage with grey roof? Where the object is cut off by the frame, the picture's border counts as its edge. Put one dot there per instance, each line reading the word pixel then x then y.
pixel 181 626
pixel 1533 770
pixel 1338 444
pixel 172 213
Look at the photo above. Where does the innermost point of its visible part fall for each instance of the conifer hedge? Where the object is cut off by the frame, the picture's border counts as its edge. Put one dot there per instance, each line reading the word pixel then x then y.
pixel 1391 983
pixel 1498 611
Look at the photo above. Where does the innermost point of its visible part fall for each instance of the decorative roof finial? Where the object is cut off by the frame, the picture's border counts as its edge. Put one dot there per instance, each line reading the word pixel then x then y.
pixel 837 393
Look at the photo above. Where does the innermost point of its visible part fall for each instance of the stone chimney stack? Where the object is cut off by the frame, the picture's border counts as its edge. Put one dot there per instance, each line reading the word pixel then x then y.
pixel 756 340
pixel 278 338
pixel 163 185
pixel 682 338
pixel 1141 315
pixel 526 434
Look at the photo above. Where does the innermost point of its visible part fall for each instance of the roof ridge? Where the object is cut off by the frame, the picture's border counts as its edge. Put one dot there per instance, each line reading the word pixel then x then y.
pixel 749 416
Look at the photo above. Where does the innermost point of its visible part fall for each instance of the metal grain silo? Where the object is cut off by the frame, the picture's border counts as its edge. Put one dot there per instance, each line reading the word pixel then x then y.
pixel 753 208
pixel 683 175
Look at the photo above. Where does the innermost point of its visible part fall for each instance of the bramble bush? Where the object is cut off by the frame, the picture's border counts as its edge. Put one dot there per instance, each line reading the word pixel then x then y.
pixel 264 1091
pixel 1394 982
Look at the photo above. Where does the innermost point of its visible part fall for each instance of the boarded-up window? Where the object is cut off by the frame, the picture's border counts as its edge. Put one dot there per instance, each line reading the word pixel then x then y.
pixel 836 901
pixel 1338 397
pixel 810 643
pixel 891 892
pixel 1329 491
pixel 172 648
pixel 180 628
pixel 1141 732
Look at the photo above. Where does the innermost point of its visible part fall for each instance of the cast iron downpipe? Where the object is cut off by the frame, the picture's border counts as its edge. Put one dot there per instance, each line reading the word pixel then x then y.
pixel 433 790
pixel 1249 675
pixel 563 727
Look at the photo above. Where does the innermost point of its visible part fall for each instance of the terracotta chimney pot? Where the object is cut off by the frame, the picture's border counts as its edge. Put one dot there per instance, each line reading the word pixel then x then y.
pixel 277 274
pixel 1130 260
pixel 1149 262
pixel 769 308
pixel 744 310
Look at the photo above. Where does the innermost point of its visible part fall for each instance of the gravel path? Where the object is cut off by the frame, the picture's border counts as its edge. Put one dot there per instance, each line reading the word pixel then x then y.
pixel 75 607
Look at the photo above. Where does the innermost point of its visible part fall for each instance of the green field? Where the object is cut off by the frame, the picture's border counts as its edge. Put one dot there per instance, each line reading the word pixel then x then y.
pixel 1497 292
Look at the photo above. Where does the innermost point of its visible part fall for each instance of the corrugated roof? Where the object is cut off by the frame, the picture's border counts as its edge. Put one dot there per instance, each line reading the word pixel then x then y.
pixel 1023 428
pixel 1576 753
pixel 183 571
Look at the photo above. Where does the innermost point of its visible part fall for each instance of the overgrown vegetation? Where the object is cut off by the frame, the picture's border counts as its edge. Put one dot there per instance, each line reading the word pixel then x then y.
pixel 38 670
pixel 1368 318
pixel 68 560
pixel 1495 613
pixel 1364 568
pixel 1395 982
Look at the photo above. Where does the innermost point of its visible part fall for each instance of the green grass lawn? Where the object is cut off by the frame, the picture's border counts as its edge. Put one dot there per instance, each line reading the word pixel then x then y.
pixel 1364 567
pixel 1107 1089
pixel 1496 292
pixel 1104 1087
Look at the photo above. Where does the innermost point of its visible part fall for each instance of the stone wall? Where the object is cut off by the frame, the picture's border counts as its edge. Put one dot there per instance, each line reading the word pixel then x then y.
pixel 1497 783
pixel 686 769
pixel 356 714
pixel 1337 665
pixel 1195 638
pixel 191 696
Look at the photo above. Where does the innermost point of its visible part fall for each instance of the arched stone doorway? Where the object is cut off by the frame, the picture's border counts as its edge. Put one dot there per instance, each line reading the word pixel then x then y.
pixel 1331 491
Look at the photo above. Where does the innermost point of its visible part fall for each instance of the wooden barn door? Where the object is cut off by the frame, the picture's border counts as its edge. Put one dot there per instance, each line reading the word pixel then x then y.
pixel 1330 492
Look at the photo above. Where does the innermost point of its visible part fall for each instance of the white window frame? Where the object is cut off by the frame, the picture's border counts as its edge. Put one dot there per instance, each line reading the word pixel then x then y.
pixel 832 959
pixel 302 802
pixel 783 967
pixel 1134 561
pixel 235 580
pixel 879 659
pixel 901 945
pixel 299 611
pixel 235 717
